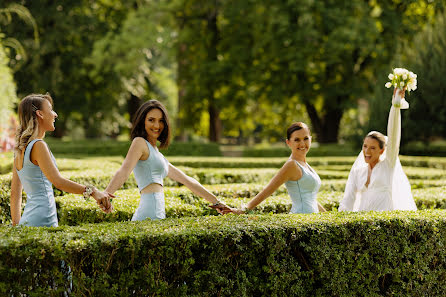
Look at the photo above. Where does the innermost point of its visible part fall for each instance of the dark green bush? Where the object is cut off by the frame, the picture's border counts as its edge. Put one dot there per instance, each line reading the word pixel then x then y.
pixel 120 148
pixel 73 210
pixel 315 151
pixel 333 254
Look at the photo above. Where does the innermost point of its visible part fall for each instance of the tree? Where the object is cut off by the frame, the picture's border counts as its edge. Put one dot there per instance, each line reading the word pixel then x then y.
pixel 8 46
pixel 328 52
pixel 425 56
pixel 67 32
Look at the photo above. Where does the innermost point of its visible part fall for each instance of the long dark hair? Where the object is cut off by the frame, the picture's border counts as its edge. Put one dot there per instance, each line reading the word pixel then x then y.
pixel 138 123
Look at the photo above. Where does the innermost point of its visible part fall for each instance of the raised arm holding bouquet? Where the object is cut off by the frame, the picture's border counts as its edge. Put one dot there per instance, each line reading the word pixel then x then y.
pixel 376 180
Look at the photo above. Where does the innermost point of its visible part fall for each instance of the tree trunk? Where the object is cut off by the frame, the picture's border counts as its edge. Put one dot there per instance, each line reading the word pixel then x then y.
pixel 215 127
pixel 181 82
pixel 326 127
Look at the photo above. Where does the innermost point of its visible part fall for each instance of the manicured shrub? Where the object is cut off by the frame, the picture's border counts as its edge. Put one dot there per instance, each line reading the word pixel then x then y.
pixel 120 148
pixel 332 254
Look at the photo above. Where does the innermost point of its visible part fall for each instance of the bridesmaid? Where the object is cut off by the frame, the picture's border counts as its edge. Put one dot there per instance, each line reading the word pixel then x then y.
pixel 301 181
pixel 151 125
pixel 34 167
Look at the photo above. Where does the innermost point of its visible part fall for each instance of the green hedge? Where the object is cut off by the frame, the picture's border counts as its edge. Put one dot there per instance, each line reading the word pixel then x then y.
pixel 97 147
pixel 427 195
pixel 329 162
pixel 6 162
pixel 73 210
pixel 333 254
pixel 112 163
pixel 315 151
pixel 423 149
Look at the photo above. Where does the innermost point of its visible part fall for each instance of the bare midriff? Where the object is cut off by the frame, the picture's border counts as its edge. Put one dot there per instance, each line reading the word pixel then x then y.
pixel 152 188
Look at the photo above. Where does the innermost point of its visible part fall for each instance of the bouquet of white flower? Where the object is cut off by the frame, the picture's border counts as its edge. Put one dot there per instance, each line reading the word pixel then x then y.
pixel 403 79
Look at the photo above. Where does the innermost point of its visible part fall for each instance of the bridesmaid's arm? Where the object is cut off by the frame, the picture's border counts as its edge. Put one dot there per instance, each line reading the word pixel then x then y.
pixel 136 152
pixel 190 182
pixel 321 208
pixel 288 171
pixel 41 155
pixel 16 196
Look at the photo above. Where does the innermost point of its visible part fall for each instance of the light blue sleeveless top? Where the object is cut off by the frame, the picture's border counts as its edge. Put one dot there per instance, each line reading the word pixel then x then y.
pixel 151 171
pixel 303 192
pixel 40 208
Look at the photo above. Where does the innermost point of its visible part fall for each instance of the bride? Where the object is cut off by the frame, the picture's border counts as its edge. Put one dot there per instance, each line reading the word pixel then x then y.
pixel 376 180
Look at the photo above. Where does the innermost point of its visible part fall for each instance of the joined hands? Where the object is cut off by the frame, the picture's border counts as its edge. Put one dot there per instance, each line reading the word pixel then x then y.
pixel 103 199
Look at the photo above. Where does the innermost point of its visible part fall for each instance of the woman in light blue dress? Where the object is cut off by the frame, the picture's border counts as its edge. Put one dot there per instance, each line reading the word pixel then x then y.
pixel 301 181
pixel 34 167
pixel 151 125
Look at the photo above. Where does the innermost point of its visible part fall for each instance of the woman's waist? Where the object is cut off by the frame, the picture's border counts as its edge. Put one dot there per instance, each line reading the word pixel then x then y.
pixel 152 188
pixel 39 194
pixel 307 198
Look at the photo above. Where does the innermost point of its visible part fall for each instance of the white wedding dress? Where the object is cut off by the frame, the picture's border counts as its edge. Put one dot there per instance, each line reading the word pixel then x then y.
pixel 389 188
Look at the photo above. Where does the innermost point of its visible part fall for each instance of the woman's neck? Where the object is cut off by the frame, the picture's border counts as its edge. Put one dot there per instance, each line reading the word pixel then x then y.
pixel 299 158
pixel 41 134
pixel 372 165
pixel 152 142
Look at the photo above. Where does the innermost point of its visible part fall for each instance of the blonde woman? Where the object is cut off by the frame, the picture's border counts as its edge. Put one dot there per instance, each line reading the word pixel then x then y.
pixel 34 167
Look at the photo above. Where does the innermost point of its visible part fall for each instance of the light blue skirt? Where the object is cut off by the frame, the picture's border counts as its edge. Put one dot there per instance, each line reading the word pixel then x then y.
pixel 151 206
pixel 40 211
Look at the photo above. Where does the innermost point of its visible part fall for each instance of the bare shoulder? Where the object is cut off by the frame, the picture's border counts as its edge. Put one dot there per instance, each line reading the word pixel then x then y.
pixel 292 169
pixel 290 164
pixel 138 141
pixel 139 147
pixel 40 152
pixel 40 147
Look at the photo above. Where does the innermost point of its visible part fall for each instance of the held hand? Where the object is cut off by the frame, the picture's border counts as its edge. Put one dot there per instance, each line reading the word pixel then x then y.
pixel 103 200
pixel 236 211
pixel 220 207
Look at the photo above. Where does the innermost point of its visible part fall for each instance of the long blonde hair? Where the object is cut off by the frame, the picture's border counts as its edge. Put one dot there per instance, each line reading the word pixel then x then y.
pixel 28 125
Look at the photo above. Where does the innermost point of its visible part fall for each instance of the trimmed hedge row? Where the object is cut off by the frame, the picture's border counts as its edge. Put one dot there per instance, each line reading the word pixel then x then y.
pixel 332 254
pixel 73 210
pixel 112 163
pixel 277 162
pixel 120 148
pixel 425 198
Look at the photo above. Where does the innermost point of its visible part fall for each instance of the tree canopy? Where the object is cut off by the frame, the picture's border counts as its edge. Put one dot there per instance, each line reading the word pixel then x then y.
pixel 222 67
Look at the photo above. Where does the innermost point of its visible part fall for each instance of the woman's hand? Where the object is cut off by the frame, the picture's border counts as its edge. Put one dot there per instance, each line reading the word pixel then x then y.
pixel 220 207
pixel 103 200
pixel 235 211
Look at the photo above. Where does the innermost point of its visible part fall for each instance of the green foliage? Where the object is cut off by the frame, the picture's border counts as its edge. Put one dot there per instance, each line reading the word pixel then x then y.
pixel 315 151
pixel 427 59
pixel 7 90
pixel 67 33
pixel 120 148
pixel 425 119
pixel 334 254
